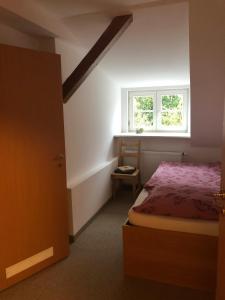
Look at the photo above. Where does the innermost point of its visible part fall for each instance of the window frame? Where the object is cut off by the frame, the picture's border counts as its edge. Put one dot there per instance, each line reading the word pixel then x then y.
pixel 127 112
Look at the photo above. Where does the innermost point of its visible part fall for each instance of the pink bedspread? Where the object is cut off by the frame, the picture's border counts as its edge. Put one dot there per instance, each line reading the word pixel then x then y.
pixel 183 190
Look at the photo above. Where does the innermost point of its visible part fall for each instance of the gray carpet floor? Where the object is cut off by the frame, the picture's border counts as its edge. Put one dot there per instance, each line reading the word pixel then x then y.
pixel 93 271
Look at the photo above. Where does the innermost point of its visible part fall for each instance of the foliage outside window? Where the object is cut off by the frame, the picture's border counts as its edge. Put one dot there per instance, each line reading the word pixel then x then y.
pixel 162 110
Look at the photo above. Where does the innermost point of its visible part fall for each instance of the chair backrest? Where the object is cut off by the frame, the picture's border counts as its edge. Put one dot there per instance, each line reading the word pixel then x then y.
pixel 129 149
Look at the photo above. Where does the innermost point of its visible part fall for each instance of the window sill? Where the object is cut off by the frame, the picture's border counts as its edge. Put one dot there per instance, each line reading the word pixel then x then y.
pixel 154 134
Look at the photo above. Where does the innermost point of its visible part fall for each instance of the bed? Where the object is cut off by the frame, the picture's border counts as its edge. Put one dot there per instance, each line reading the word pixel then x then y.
pixel 165 246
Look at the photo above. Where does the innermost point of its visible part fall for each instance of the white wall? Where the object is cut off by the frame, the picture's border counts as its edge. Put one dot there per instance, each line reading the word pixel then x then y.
pixel 169 144
pixel 90 194
pixel 30 15
pixel 154 49
pixel 92 116
pixel 14 37
pixel 207 70
pixel 207 77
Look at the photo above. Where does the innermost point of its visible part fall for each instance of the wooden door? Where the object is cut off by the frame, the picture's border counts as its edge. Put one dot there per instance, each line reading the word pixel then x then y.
pixel 33 210
pixel 220 292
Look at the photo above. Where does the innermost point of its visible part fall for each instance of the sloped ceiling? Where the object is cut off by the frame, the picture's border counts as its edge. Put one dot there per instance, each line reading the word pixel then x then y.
pixel 68 8
pixel 153 51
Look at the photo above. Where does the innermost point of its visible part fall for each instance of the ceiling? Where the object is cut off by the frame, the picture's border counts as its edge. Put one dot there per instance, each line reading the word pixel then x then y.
pixel 153 51
pixel 71 8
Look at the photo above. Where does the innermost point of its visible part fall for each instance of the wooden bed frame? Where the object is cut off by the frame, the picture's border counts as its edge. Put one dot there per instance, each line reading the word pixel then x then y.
pixel 183 259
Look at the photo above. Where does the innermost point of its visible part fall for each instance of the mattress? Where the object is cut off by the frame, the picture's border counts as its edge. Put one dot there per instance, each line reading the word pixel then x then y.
pixel 205 227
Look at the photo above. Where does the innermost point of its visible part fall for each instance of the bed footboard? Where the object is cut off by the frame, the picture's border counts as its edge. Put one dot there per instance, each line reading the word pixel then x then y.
pixel 172 257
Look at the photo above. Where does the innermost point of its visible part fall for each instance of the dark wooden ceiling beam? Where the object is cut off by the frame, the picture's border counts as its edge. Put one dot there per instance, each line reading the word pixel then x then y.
pixel 104 43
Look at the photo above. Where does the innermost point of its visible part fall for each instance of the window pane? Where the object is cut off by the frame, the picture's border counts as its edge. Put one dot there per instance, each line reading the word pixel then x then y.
pixel 143 120
pixel 143 102
pixel 171 118
pixel 172 102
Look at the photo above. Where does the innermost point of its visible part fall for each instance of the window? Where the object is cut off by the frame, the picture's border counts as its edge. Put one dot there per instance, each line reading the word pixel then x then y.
pixel 158 110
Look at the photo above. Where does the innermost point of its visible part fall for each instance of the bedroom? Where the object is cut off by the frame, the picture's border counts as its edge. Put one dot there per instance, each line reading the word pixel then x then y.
pixel 98 160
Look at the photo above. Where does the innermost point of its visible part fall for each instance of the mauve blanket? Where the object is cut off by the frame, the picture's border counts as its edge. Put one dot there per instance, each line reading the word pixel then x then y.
pixel 183 190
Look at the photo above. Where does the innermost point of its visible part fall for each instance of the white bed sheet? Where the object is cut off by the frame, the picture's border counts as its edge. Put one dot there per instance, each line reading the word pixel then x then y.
pixel 205 227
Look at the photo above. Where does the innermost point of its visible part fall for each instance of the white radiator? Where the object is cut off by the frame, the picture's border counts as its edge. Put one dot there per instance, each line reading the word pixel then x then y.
pixel 150 160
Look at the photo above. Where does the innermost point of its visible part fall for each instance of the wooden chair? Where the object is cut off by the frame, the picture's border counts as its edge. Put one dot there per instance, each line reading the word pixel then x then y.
pixel 128 150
